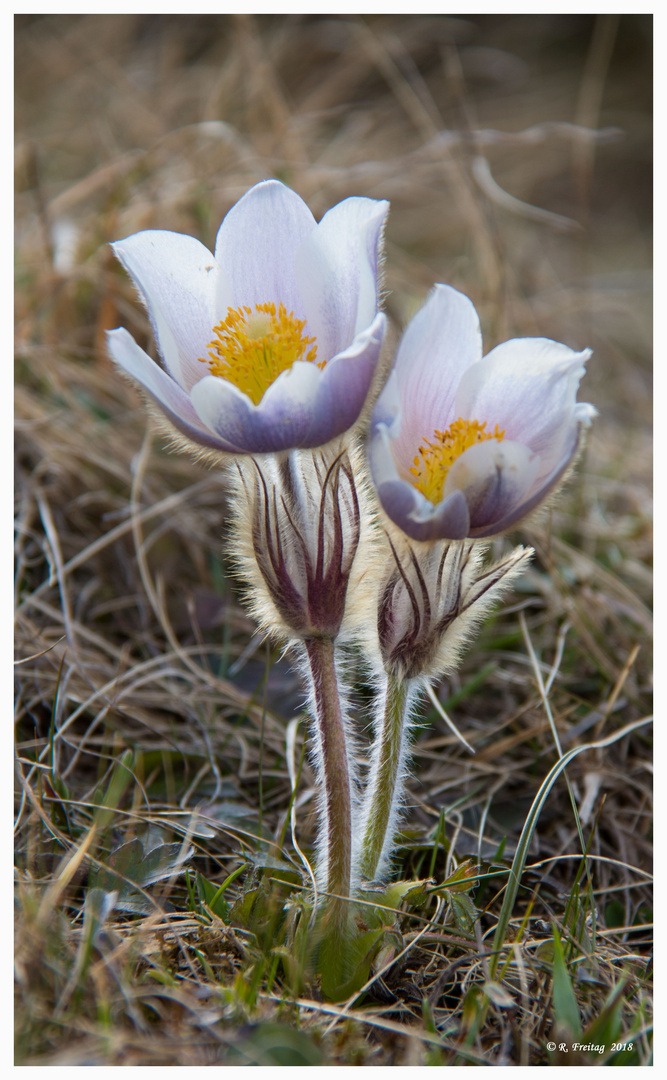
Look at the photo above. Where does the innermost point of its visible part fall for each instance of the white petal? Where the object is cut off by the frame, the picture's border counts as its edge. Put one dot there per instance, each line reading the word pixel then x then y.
pixel 387 409
pixel 298 386
pixel 381 458
pixel 256 248
pixel 584 413
pixel 176 276
pixel 337 273
pixel 527 386
pixel 441 342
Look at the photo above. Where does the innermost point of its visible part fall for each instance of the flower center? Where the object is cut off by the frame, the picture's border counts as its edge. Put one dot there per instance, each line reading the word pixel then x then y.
pixel 435 459
pixel 252 347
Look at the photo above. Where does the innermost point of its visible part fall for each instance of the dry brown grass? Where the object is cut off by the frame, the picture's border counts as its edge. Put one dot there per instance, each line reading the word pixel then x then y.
pixel 130 633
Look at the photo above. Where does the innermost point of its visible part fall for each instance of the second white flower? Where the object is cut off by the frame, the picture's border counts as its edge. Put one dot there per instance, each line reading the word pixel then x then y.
pixel 465 446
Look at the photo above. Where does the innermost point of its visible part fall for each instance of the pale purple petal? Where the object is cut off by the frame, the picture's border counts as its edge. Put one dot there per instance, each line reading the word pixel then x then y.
pixel 337 273
pixel 380 458
pixel 176 276
pixel 304 407
pixel 344 385
pixel 449 520
pixel 281 421
pixel 536 497
pixel 440 343
pixel 166 393
pixel 495 478
pixel 528 386
pixel 256 247
pixel 406 506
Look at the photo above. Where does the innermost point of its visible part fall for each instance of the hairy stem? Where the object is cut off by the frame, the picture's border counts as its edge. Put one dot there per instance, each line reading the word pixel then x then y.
pixel 385 782
pixel 335 776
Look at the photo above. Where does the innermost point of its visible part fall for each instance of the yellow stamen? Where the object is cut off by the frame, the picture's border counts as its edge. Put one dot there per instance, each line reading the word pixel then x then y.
pixel 435 459
pixel 251 348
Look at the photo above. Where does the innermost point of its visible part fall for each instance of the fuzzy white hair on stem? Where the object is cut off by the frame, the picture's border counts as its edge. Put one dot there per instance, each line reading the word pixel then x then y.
pixel 379 823
pixel 319 767
pixel 430 603
pixel 298 520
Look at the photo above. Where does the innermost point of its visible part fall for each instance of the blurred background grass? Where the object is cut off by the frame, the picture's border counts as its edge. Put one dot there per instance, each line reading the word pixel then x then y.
pixel 516 152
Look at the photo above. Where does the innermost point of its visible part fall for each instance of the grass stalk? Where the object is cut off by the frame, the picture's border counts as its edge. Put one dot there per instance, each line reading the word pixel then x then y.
pixel 519 862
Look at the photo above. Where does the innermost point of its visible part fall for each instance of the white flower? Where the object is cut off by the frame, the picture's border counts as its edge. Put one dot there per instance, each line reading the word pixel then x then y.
pixel 272 342
pixel 465 446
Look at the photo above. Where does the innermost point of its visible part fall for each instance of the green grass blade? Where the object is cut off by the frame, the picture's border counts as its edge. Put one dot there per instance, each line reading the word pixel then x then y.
pixel 566 1010
pixel 521 854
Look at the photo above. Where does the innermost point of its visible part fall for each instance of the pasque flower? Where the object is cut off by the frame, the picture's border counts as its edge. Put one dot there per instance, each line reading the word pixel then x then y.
pixel 464 445
pixel 272 342
pixel 462 448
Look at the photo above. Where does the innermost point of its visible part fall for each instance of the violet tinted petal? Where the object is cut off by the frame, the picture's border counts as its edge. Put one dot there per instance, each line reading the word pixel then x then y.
pixel 344 385
pixel 448 521
pixel 281 421
pixel 380 458
pixel 536 497
pixel 528 386
pixel 305 407
pixel 166 393
pixel 495 477
pixel 176 276
pixel 387 408
pixel 406 506
pixel 441 342
pixel 336 268
pixel 132 359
